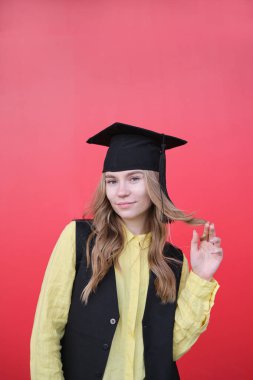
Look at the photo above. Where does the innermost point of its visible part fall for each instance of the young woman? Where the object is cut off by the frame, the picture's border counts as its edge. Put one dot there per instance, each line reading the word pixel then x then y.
pixel 117 301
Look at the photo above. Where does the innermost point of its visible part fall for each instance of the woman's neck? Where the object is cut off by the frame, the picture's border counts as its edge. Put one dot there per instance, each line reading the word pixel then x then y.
pixel 137 227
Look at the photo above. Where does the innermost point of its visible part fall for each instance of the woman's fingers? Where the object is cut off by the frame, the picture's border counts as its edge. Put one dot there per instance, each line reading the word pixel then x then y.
pixel 205 232
pixel 215 240
pixel 218 251
pixel 209 232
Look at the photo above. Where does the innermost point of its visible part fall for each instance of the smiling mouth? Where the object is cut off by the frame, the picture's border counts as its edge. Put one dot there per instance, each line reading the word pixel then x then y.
pixel 125 203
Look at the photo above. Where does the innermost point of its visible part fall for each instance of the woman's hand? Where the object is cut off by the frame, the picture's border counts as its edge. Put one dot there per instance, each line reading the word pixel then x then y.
pixel 206 258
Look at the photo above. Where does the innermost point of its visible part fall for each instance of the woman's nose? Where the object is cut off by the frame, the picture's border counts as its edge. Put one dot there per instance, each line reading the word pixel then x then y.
pixel 123 189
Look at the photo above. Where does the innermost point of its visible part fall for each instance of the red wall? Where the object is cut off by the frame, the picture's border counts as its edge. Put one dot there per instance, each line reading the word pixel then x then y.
pixel 69 69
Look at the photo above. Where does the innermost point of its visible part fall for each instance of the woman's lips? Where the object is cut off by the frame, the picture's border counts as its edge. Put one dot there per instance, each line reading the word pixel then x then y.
pixel 125 204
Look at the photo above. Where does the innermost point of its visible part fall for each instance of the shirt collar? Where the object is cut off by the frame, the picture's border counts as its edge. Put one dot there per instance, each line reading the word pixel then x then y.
pixel 143 239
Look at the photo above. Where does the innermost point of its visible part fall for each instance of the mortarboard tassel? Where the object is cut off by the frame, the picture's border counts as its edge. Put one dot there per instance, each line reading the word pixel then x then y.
pixel 162 179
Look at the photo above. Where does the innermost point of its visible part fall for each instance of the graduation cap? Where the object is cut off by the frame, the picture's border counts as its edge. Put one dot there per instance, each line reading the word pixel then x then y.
pixel 132 147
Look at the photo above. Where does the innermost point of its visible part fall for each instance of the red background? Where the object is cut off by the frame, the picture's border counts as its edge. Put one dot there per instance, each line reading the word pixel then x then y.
pixel 69 69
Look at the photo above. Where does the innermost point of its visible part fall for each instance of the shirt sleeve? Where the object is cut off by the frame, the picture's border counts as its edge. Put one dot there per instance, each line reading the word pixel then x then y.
pixel 195 301
pixel 52 309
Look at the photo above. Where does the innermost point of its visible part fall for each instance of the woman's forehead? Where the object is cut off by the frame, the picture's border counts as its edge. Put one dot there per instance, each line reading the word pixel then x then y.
pixel 123 173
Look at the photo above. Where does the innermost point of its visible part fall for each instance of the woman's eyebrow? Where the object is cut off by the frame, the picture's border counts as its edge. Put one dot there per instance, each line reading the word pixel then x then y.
pixel 109 176
pixel 135 172
pixel 128 174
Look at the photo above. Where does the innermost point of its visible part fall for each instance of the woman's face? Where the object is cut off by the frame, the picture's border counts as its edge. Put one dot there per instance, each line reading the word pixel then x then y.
pixel 127 193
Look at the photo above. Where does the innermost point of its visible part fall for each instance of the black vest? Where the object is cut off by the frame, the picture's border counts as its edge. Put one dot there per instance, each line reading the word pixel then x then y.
pixel 90 328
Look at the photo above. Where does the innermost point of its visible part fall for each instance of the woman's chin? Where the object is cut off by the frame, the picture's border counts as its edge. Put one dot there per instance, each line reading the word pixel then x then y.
pixel 131 216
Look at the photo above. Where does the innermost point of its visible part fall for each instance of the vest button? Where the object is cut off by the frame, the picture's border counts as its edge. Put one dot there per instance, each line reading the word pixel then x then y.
pixel 112 321
pixel 105 346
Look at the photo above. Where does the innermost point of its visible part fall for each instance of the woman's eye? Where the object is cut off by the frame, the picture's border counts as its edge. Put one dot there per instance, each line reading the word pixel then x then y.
pixel 135 179
pixel 111 181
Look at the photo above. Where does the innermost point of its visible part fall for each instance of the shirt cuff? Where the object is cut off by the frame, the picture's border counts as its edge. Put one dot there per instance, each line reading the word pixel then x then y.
pixel 201 287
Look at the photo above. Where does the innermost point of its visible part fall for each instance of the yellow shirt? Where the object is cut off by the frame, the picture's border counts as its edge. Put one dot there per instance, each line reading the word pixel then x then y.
pixel 125 362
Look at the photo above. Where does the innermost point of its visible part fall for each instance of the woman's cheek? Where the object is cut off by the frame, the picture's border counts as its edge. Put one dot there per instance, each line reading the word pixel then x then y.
pixel 108 193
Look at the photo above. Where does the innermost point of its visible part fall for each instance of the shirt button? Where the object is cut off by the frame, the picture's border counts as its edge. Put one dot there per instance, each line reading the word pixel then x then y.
pixel 105 346
pixel 112 321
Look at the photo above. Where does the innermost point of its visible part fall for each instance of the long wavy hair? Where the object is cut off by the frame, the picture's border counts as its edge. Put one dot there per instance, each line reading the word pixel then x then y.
pixel 107 229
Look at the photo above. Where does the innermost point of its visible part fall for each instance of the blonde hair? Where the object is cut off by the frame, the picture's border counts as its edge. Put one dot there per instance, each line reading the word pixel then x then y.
pixel 108 230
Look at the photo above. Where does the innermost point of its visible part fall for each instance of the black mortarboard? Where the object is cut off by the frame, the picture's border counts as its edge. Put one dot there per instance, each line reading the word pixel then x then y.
pixel 132 148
